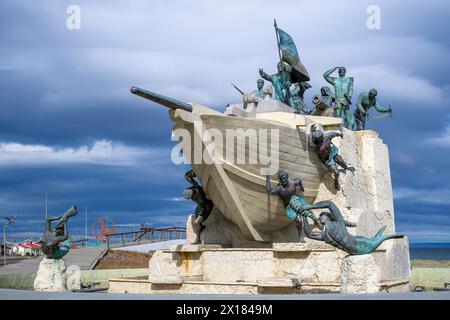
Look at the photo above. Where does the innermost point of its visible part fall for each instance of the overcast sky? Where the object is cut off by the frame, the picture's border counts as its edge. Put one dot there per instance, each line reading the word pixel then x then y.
pixel 70 127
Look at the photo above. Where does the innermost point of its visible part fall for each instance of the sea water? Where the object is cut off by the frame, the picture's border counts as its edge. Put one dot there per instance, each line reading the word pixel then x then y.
pixel 430 251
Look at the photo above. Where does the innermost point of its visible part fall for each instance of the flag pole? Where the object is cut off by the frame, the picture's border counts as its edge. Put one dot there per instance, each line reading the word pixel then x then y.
pixel 278 39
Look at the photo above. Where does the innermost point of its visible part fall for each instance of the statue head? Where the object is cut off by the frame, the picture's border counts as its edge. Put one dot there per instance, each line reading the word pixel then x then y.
pixel 280 66
pixel 342 71
pixel 372 93
pixel 283 176
pixel 317 136
pixel 188 193
pixel 59 229
pixel 260 83
pixel 325 217
pixel 325 91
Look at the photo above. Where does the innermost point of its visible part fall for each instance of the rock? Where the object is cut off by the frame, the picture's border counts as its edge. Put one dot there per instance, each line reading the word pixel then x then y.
pixel 190 234
pixel 51 275
pixel 73 275
pixel 360 274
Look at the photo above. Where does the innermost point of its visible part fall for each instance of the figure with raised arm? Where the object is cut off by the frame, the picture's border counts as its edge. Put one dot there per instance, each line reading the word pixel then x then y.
pixel 328 153
pixel 335 233
pixel 291 193
pixel 343 90
pixel 52 240
pixel 204 205
pixel 280 82
pixel 367 100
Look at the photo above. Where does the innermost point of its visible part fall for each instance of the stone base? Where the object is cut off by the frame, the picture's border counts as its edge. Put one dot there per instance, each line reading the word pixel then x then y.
pixel 51 275
pixel 263 106
pixel 360 274
pixel 281 268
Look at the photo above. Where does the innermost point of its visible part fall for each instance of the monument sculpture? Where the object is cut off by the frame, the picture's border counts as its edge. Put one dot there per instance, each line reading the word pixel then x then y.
pixel 204 205
pixel 290 191
pixel 260 94
pixel 329 153
pixel 365 102
pixel 323 104
pixel 52 240
pixel 335 232
pixel 281 81
pixel 297 97
pixel 343 90
pixel 51 275
pixel 257 238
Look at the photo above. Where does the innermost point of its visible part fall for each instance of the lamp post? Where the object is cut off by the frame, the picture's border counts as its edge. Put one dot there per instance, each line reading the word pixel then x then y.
pixel 9 220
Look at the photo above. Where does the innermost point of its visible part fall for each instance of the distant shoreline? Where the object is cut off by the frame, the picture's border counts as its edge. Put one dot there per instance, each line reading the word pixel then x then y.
pixel 429 245
pixel 419 263
pixel 433 252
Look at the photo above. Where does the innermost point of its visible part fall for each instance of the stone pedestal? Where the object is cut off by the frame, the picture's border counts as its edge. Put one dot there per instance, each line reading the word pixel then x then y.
pixel 360 274
pixel 51 275
pixel 73 276
pixel 278 268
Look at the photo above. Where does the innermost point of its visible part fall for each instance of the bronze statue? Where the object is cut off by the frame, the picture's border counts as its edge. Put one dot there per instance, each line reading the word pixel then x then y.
pixel 254 97
pixel 204 205
pixel 329 153
pixel 343 90
pixel 291 193
pixel 297 94
pixel 324 104
pixel 335 231
pixel 365 102
pixel 51 239
pixel 281 81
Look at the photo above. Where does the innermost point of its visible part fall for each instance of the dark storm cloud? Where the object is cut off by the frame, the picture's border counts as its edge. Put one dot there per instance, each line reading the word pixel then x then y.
pixel 63 91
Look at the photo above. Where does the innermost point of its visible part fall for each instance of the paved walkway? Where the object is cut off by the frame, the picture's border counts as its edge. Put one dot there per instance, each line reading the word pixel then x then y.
pixel 82 257
pixel 146 247
pixel 8 294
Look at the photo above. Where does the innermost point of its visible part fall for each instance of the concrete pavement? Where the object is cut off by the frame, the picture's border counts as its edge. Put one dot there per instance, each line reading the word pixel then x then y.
pixel 82 257
pixel 8 294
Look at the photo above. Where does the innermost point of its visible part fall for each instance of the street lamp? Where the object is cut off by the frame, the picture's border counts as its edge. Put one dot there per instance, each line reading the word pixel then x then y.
pixel 9 220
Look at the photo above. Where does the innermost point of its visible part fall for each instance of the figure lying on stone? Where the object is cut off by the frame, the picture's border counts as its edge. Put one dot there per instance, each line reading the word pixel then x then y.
pixel 291 193
pixel 204 205
pixel 51 240
pixel 335 231
pixel 329 153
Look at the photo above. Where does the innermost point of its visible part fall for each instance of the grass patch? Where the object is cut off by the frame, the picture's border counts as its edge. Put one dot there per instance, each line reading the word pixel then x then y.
pixel 117 259
pixel 430 263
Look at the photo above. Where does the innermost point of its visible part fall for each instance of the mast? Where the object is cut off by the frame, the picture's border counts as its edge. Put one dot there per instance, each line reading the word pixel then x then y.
pixel 277 36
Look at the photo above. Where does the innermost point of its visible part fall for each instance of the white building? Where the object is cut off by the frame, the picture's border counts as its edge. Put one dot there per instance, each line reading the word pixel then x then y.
pixel 27 248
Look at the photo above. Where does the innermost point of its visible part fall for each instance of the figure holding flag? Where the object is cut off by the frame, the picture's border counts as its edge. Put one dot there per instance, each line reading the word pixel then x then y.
pixel 288 53
pixel 290 69
pixel 281 81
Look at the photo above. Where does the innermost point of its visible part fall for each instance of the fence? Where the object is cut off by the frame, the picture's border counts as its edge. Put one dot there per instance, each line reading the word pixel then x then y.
pixel 149 234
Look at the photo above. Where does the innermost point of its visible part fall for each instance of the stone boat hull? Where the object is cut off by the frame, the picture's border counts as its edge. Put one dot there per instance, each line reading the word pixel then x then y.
pixel 238 189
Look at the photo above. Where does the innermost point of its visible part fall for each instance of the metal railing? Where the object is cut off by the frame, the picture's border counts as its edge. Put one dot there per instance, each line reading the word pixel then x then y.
pixel 148 234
